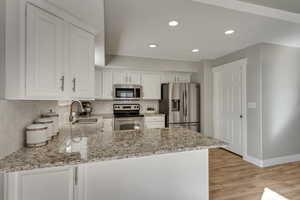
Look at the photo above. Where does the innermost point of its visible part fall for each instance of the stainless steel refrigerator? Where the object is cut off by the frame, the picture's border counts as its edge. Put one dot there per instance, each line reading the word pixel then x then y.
pixel 181 105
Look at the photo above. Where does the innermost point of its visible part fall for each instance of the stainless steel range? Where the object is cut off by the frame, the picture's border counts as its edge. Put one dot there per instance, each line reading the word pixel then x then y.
pixel 128 117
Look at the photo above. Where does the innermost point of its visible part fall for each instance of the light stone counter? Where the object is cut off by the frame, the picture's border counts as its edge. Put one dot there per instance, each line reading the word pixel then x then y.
pixel 84 145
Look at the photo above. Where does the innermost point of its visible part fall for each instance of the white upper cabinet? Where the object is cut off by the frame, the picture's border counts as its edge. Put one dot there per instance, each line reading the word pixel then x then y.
pixel 81 62
pixel 119 77
pixel 151 86
pixel 151 82
pixel 104 84
pixel 47 56
pixel 124 77
pixel 171 77
pixel 183 77
pixel 98 84
pixel 45 73
pixel 134 78
pixel 107 84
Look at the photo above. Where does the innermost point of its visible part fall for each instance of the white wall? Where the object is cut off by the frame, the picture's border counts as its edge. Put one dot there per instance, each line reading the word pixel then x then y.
pixel 1 187
pixel 253 54
pixel 273 83
pixel 280 101
pixel 2 47
pixel 149 64
pixel 14 117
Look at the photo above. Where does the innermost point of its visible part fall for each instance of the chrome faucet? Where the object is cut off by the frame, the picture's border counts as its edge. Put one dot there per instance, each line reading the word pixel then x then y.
pixel 73 115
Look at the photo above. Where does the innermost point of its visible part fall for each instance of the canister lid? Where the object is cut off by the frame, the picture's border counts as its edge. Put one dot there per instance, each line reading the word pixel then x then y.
pixel 50 114
pixel 36 127
pixel 43 121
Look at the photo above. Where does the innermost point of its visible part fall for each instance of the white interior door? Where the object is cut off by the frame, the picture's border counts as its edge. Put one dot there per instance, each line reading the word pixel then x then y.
pixel 228 105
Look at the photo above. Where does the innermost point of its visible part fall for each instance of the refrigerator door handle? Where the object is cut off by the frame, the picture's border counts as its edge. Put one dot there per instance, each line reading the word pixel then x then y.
pixel 185 104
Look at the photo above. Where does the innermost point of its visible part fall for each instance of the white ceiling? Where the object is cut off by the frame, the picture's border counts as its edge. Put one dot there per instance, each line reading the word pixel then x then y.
pixel 88 11
pixel 132 24
pixel 287 5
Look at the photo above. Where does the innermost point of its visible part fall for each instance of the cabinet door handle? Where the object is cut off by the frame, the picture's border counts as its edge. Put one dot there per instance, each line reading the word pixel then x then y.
pixel 76 176
pixel 74 84
pixel 62 87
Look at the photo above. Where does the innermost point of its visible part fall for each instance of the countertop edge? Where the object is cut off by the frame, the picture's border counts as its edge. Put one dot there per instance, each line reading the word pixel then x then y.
pixel 79 162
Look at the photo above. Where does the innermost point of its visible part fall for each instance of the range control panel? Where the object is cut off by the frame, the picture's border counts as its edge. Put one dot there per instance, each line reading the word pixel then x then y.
pixel 126 107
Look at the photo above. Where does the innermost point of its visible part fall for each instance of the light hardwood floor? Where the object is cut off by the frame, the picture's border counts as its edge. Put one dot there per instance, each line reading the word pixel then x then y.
pixel 235 179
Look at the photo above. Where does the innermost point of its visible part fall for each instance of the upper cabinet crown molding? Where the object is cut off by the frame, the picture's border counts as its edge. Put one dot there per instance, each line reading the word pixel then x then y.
pixel 47 6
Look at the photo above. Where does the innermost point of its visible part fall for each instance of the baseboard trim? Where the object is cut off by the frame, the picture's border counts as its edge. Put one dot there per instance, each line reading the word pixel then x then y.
pixel 254 161
pixel 281 160
pixel 273 161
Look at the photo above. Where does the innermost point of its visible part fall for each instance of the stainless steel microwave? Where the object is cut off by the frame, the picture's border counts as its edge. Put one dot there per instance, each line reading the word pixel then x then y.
pixel 127 92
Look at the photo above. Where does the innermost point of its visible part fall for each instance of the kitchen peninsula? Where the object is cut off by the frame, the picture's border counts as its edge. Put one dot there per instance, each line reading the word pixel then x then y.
pixel 150 164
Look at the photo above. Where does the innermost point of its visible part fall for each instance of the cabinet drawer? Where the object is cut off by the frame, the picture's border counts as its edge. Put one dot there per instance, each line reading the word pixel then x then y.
pixel 155 125
pixel 155 119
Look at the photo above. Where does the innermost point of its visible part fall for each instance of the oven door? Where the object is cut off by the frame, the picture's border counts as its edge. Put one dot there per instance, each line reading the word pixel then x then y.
pixel 129 123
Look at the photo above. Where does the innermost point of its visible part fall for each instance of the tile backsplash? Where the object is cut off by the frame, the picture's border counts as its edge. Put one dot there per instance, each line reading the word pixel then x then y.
pixel 14 117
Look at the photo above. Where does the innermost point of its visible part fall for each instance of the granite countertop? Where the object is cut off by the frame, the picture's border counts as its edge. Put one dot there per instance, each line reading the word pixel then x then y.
pixel 104 115
pixel 83 145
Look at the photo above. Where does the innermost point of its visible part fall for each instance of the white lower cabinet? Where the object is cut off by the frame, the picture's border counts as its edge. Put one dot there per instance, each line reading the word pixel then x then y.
pixel 42 184
pixel 176 176
pixel 155 121
pixel 108 124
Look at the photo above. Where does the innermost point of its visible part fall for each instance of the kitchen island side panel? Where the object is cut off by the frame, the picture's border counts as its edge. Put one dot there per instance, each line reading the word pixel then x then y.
pixel 174 176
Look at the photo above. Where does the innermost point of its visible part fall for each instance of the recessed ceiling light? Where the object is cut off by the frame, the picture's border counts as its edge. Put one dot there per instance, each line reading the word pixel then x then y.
pixel 195 50
pixel 153 45
pixel 173 23
pixel 229 32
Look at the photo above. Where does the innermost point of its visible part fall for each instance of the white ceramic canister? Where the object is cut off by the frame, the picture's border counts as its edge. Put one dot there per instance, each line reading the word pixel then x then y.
pixel 36 135
pixel 49 123
pixel 54 117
